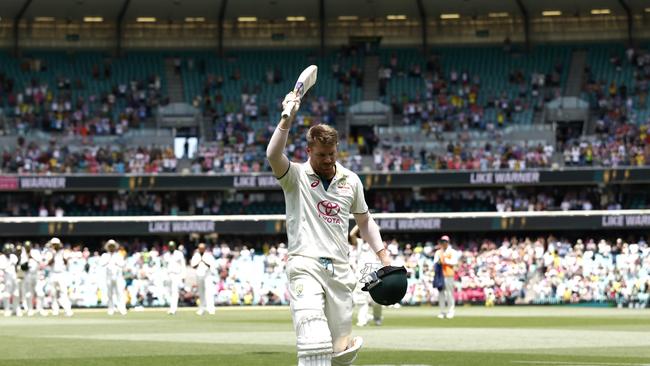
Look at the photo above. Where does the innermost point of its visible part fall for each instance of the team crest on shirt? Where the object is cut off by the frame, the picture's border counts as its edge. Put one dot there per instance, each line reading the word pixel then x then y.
pixel 328 211
pixel 299 289
pixel 343 186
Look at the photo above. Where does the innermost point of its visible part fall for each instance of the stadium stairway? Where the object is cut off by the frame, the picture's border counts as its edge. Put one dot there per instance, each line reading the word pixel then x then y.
pixel 207 128
pixel 576 73
pixel 174 82
pixel 183 165
pixel 371 77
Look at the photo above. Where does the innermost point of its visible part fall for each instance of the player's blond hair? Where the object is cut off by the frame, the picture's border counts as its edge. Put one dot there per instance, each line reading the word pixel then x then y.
pixel 322 134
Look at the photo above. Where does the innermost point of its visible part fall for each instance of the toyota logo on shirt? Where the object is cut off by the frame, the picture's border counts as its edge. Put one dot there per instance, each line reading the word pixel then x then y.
pixel 328 208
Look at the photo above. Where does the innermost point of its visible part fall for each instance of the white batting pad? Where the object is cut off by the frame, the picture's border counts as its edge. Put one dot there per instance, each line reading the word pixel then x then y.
pixel 314 336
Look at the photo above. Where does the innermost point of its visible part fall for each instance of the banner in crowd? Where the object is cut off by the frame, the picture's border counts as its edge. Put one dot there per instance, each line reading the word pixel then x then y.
pixel 259 181
pixel 275 224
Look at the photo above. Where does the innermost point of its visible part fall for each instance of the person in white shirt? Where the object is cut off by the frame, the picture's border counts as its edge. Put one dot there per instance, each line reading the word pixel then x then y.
pixel 364 261
pixel 447 257
pixel 10 297
pixel 174 261
pixel 203 263
pixel 114 263
pixel 58 262
pixel 30 262
pixel 320 196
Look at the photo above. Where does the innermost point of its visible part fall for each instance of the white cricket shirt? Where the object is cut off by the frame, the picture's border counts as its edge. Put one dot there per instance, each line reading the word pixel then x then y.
pixel 59 266
pixel 203 263
pixel 114 263
pixel 318 220
pixel 32 259
pixel 175 262
pixel 8 264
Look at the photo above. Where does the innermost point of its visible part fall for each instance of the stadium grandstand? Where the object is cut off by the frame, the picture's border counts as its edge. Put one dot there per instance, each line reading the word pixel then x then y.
pixel 520 129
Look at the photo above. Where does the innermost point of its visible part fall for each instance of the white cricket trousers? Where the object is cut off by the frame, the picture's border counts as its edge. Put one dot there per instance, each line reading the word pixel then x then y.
pixel 59 286
pixel 11 292
pixel 115 294
pixel 206 293
pixel 320 285
pixel 174 284
pixel 446 297
pixel 30 290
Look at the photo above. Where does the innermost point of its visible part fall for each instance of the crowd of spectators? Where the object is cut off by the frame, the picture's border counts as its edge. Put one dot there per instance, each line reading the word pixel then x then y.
pixel 450 100
pixel 457 99
pixel 72 107
pixel 458 156
pixel 500 200
pixel 54 157
pixel 615 98
pixel 222 108
pixel 513 270
pixel 272 202
pixel 620 106
pixel 141 203
pixel 618 144
pixel 552 270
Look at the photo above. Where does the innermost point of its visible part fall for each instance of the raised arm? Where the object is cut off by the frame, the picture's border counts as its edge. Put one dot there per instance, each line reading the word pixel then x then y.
pixel 275 150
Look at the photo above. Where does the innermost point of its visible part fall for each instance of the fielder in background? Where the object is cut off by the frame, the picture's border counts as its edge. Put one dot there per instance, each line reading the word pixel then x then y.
pixel 30 263
pixel 57 260
pixel 204 263
pixel 320 195
pixel 11 294
pixel 363 261
pixel 447 257
pixel 174 261
pixel 114 263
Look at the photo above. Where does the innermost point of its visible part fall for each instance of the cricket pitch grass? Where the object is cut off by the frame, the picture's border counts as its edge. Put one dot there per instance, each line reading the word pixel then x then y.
pixel 503 336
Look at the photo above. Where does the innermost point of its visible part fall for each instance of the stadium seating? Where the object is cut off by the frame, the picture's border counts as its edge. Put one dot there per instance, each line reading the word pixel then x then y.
pixel 84 80
pixel 491 65
pixel 609 65
pixel 500 74
pixel 253 66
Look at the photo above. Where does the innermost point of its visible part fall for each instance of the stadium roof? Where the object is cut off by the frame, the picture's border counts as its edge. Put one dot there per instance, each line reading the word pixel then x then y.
pixel 179 10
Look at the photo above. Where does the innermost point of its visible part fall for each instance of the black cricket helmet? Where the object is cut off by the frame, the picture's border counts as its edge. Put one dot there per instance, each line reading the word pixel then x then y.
pixel 387 285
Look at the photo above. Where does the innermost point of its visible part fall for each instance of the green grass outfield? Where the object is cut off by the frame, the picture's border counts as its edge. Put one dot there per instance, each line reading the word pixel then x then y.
pixel 504 336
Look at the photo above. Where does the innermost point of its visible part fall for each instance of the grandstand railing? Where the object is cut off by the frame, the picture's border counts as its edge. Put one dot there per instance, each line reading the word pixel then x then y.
pixel 370 179
pixel 275 224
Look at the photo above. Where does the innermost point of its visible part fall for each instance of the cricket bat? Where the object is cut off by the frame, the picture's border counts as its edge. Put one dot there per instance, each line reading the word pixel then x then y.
pixel 306 80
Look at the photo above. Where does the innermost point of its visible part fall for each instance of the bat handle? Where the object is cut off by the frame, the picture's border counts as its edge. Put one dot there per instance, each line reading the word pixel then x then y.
pixel 286 112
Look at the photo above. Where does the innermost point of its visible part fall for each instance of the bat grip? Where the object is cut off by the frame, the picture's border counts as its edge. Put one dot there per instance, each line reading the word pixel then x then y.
pixel 286 112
